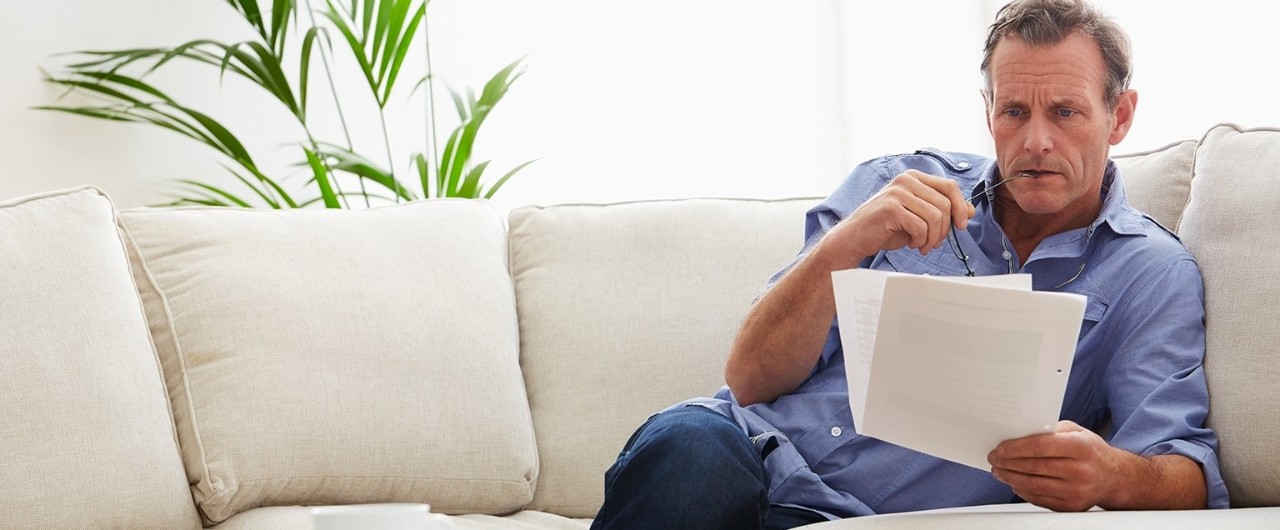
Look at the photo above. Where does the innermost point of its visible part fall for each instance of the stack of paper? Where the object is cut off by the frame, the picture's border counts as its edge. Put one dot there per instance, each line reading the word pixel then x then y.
pixel 952 366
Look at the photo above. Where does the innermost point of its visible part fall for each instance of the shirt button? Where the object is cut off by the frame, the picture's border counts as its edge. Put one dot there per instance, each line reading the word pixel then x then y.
pixel 1006 255
pixel 963 165
pixel 835 431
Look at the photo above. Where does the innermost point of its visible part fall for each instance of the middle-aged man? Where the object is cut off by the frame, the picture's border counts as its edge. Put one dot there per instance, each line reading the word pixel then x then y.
pixel 776 448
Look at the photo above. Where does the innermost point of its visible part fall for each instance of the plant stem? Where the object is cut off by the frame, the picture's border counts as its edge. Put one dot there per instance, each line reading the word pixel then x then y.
pixel 431 138
pixel 342 119
pixel 391 163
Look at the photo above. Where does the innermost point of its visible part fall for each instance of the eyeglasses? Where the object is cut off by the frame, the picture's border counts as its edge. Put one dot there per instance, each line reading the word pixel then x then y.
pixel 954 240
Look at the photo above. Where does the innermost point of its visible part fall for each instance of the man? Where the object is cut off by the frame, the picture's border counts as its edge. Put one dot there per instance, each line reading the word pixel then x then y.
pixel 777 448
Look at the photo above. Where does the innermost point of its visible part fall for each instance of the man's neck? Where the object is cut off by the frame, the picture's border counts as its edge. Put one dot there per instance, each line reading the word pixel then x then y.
pixel 1026 230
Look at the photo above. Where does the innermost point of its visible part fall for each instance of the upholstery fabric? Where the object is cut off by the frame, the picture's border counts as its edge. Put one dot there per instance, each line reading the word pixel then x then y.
pixel 339 357
pixel 1158 182
pixel 639 301
pixel 299 518
pixel 1230 227
pixel 86 439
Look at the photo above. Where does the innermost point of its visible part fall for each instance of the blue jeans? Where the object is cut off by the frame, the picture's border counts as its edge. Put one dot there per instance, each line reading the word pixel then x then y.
pixel 693 468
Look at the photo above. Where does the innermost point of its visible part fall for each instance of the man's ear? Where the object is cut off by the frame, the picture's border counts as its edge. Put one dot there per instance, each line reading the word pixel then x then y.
pixel 1121 117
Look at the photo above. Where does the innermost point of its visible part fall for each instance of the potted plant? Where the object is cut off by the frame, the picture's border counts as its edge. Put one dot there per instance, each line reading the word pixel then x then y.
pixel 378 34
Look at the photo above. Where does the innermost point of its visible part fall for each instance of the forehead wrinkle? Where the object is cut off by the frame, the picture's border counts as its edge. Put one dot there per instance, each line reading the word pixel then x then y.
pixel 1052 76
pixel 1054 93
pixel 1073 67
pixel 1059 83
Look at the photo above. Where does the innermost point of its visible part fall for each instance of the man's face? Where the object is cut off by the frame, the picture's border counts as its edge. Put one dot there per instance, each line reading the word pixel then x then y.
pixel 1048 115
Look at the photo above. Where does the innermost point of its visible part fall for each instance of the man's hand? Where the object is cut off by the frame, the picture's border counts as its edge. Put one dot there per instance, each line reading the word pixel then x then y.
pixel 1073 469
pixel 1069 470
pixel 782 335
pixel 915 210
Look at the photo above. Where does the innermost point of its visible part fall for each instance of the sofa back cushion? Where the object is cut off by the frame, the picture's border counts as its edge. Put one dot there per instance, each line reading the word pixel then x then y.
pixel 626 309
pixel 339 357
pixel 86 439
pixel 1230 227
pixel 1158 182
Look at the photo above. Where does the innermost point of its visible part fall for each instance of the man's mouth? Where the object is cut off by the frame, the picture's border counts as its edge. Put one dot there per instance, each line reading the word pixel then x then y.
pixel 1033 173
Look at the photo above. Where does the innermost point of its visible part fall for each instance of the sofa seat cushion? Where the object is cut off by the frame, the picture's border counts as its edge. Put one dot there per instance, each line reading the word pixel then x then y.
pixel 339 357
pixel 626 309
pixel 86 439
pixel 1230 227
pixel 299 518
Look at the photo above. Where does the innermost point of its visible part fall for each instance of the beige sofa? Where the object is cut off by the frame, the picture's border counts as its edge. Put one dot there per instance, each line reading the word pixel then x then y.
pixel 215 367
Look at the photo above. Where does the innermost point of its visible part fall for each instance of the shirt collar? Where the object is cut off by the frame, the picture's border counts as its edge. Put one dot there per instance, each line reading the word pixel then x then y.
pixel 1115 213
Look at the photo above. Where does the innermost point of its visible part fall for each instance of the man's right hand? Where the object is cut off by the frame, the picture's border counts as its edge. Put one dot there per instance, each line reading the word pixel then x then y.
pixel 914 210
pixel 783 333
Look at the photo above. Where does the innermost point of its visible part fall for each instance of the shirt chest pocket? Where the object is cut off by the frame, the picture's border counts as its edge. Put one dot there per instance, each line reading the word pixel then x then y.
pixel 939 262
pixel 1094 310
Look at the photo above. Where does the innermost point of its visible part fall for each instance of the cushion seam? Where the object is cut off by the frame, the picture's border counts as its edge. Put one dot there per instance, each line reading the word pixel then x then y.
pixel 182 362
pixel 126 242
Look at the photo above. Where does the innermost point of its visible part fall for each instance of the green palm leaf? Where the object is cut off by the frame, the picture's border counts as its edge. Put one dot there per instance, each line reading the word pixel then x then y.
pixel 321 175
pixel 347 161
pixel 379 34
pixel 304 66
pixel 398 55
pixel 353 42
pixel 273 33
pixel 381 40
pixel 266 196
pixel 216 191
pixel 505 178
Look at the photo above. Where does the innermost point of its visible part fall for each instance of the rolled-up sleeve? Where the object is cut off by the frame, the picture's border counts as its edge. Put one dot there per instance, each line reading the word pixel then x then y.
pixel 860 185
pixel 1155 383
pixel 864 181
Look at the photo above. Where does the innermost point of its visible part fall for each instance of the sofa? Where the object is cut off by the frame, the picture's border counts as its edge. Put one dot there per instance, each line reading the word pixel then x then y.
pixel 228 368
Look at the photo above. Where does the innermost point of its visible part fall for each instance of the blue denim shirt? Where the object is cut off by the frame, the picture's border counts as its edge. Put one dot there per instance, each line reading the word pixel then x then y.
pixel 1137 378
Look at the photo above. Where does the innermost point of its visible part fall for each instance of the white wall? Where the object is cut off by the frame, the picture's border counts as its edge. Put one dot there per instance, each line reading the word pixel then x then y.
pixel 1200 63
pixel 1197 64
pixel 911 77
pixel 667 98
pixel 45 151
pixel 664 99
pixel 624 101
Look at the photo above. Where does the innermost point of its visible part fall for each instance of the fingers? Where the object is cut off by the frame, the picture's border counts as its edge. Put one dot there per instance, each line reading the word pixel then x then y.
pixel 1068 440
pixel 1039 467
pixel 1071 469
pixel 1036 445
pixel 949 197
pixel 961 209
pixel 1053 492
pixel 1068 426
pixel 932 226
pixel 936 201
pixel 915 210
pixel 1060 484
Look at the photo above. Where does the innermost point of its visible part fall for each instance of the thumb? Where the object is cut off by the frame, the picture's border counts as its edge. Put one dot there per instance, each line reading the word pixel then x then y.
pixel 1068 426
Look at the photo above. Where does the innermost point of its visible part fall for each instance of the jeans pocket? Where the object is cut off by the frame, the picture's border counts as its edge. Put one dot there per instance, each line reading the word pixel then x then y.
pixel 766 442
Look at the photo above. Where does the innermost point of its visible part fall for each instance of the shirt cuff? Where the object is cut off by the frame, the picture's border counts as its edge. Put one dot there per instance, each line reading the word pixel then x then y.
pixel 1215 488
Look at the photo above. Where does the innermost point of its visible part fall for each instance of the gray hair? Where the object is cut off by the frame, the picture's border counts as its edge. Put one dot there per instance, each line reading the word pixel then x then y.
pixel 1049 22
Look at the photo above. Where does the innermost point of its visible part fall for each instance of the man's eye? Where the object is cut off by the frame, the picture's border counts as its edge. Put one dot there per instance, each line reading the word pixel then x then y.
pixel 1013 113
pixel 1066 113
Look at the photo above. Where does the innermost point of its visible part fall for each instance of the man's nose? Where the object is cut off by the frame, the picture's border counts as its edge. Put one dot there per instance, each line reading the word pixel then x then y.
pixel 1039 136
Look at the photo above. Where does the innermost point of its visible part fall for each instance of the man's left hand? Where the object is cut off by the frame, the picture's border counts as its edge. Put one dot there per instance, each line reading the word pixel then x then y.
pixel 1069 470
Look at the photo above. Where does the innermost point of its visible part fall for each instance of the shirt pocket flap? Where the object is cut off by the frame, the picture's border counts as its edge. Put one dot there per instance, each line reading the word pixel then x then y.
pixel 940 262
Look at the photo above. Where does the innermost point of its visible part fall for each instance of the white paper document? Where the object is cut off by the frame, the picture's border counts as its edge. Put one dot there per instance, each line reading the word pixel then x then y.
pixel 952 366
